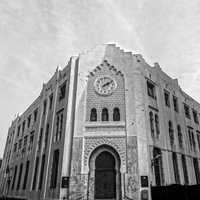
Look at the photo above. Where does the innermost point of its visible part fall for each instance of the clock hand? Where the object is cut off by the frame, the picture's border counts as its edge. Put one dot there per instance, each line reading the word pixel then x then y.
pixel 108 83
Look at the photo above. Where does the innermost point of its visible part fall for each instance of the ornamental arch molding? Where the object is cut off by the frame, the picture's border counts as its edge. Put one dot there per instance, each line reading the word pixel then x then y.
pixel 92 143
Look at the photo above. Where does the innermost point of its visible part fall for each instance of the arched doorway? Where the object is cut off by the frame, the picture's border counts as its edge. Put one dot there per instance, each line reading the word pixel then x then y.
pixel 105 176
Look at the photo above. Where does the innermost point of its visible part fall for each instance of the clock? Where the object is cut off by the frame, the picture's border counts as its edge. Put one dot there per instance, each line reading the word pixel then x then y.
pixel 105 85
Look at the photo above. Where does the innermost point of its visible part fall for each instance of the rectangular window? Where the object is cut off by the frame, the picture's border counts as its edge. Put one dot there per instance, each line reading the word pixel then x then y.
pixel 15 147
pixel 50 101
pixel 35 115
pixel 195 116
pixel 59 125
pixel 171 132
pixel 20 144
pixel 151 90
pixel 62 91
pixel 46 135
pixel 54 171
pixel 175 102
pixel 20 175
pixel 35 173
pixel 196 169
pixel 44 107
pixel 31 141
pixel 23 126
pixel 14 178
pixel 25 140
pixel 40 139
pixel 198 139
pixel 42 172
pixel 185 173
pixel 191 139
pixel 167 98
pixel 18 130
pixel 26 174
pixel 187 111
pixel 29 121
pixel 175 165
pixel 180 137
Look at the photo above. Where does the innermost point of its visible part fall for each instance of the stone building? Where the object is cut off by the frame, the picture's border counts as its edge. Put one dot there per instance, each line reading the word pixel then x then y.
pixel 0 163
pixel 107 126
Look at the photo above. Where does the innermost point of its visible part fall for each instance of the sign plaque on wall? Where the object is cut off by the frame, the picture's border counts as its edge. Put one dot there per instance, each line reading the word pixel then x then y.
pixel 144 181
pixel 65 182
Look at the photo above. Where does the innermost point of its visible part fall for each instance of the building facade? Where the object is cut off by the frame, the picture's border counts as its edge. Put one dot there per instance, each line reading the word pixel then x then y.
pixel 107 126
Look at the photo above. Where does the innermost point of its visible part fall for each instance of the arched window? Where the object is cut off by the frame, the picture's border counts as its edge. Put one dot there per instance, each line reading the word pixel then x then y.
pixel 158 168
pixel 151 123
pixel 157 125
pixel 116 114
pixel 93 115
pixel 171 133
pixel 104 115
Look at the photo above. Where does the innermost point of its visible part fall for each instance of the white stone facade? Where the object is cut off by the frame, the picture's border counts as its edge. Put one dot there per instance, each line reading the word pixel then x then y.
pixel 63 127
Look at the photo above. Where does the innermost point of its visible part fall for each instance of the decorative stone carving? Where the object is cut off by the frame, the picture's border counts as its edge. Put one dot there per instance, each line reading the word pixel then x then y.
pixel 131 186
pixel 131 178
pixel 76 158
pixel 132 155
pixel 78 187
pixel 118 143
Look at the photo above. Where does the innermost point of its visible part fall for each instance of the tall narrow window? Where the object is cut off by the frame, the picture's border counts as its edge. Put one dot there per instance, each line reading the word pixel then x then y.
pixel 175 102
pixel 198 139
pixel 191 138
pixel 61 126
pixel 180 137
pixel 40 139
pixel 44 107
pixel 175 166
pixel 35 173
pixel 151 90
pixel 195 116
pixel 29 121
pixel 46 135
pixel 19 177
pixel 54 171
pixel 185 173
pixel 196 170
pixel 35 115
pixel 157 125
pixel 57 126
pixel 116 114
pixel 93 115
pixel 62 91
pixel 50 101
pixel 26 175
pixel 31 141
pixel 187 111
pixel 14 178
pixel 104 115
pixel 23 126
pixel 158 169
pixel 167 98
pixel 18 130
pixel 151 123
pixel 171 132
pixel 42 172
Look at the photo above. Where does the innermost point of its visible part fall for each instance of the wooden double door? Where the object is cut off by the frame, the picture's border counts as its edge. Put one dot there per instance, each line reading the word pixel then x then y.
pixel 105 176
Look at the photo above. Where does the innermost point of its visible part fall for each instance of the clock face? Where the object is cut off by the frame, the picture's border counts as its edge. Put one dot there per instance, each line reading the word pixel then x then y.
pixel 105 85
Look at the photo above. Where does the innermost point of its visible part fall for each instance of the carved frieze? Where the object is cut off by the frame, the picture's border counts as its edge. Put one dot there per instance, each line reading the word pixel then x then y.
pixel 118 143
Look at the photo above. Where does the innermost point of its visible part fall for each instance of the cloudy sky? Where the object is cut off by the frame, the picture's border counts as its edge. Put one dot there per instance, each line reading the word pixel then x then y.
pixel 36 36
